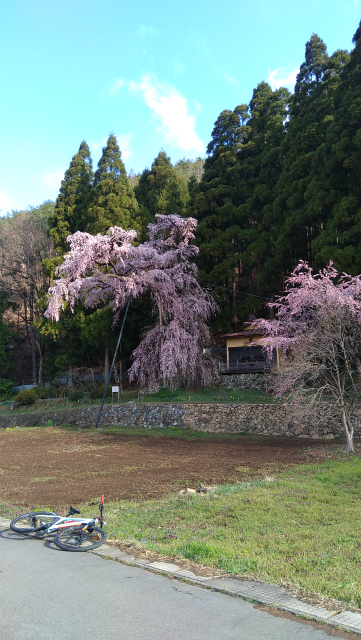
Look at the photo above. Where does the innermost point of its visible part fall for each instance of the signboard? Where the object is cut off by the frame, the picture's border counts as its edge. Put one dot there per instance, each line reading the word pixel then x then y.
pixel 115 390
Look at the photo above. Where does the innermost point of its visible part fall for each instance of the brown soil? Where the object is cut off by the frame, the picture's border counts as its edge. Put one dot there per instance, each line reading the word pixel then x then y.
pixel 53 467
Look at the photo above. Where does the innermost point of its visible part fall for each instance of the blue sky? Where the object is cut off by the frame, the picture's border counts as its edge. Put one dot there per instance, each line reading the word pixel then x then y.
pixel 156 73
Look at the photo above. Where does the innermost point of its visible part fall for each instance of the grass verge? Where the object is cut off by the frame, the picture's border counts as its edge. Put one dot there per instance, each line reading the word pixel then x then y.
pixel 303 528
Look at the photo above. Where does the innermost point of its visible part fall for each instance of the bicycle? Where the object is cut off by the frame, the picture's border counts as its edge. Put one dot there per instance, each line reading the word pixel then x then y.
pixel 71 534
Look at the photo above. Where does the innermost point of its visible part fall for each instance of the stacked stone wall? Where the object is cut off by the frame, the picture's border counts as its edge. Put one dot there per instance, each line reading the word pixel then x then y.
pixel 243 381
pixel 262 419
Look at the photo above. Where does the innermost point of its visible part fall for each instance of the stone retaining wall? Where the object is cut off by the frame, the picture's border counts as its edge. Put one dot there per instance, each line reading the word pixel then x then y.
pixel 243 381
pixel 265 419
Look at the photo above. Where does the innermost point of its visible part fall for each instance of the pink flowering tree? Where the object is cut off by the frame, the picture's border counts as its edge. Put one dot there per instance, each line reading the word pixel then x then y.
pixel 106 269
pixel 318 335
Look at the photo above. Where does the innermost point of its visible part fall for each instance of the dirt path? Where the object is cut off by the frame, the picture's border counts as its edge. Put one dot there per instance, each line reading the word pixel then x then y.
pixel 56 468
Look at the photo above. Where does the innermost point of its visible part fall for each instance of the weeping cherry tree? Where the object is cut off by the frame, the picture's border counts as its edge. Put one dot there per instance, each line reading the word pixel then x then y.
pixel 318 335
pixel 106 269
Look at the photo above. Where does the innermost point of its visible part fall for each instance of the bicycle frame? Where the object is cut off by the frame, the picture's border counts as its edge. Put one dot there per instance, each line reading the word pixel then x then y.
pixel 63 523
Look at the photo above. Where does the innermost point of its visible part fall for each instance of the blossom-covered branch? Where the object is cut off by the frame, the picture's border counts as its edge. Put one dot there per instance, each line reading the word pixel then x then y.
pixel 106 269
pixel 318 334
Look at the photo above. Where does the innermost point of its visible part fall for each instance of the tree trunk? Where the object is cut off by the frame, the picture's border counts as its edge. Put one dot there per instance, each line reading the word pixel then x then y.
pixel 161 342
pixel 41 360
pixel 189 381
pixel 32 334
pixel 348 429
pixel 70 377
pixel 106 362
pixel 33 356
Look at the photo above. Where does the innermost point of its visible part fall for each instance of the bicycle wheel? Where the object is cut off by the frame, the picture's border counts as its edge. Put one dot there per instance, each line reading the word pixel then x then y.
pixel 34 521
pixel 78 539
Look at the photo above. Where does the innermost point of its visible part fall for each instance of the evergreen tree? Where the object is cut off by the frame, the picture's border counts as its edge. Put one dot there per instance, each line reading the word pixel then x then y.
pixel 215 204
pixel 261 165
pixel 339 177
pixel 97 330
pixel 189 173
pixel 71 204
pixel 234 200
pixel 186 169
pixel 160 190
pixel 297 215
pixel 112 201
pixel 63 345
pixel 229 131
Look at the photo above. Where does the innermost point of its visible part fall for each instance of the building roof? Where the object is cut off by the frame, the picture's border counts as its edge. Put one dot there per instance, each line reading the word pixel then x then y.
pixel 245 331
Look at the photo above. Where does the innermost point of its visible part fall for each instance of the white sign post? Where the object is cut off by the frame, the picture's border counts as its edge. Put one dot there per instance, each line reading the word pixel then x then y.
pixel 115 390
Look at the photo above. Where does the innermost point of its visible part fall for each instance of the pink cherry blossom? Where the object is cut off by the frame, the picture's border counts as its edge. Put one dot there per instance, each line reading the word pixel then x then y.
pixel 105 269
pixel 318 335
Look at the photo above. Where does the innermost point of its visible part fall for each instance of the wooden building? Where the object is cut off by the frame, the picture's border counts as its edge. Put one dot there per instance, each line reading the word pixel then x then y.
pixel 242 355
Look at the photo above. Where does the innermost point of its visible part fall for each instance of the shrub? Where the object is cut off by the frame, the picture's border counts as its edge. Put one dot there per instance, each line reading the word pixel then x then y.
pixel 62 392
pixel 76 394
pixel 45 392
pixel 166 394
pixel 5 388
pixel 97 392
pixel 27 396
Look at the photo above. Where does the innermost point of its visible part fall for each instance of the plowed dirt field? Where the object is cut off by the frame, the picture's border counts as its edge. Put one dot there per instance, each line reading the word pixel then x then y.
pixel 55 468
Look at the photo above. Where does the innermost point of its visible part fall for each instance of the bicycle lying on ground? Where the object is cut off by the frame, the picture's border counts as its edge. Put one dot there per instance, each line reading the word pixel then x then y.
pixel 71 534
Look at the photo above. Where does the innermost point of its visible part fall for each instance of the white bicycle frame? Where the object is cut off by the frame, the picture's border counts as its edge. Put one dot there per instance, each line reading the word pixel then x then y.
pixel 64 522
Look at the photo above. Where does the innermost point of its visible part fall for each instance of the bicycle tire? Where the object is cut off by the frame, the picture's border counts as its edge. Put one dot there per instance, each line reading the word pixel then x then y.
pixel 29 522
pixel 75 539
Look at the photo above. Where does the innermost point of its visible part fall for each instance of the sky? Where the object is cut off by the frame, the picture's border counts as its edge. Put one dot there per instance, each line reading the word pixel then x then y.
pixel 157 74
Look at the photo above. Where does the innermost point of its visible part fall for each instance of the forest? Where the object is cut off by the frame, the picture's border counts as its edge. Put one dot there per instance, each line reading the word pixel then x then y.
pixel 281 182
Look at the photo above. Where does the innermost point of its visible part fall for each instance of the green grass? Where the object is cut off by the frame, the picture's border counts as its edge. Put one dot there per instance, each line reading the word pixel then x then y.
pixel 304 528
pixel 210 395
pixel 61 404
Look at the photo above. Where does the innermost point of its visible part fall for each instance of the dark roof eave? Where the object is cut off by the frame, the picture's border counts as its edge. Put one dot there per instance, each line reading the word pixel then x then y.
pixel 246 333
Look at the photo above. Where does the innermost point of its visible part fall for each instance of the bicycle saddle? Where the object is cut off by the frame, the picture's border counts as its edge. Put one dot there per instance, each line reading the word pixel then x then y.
pixel 73 511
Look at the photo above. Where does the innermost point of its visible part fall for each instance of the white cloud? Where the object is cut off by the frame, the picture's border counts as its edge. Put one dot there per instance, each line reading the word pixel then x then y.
pixel 177 124
pixel 97 145
pixel 124 142
pixel 145 30
pixel 231 80
pixel 54 178
pixel 4 203
pixel 282 77
pixel 116 86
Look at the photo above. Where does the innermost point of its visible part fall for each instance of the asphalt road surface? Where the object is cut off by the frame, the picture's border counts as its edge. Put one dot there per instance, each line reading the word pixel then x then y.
pixel 48 594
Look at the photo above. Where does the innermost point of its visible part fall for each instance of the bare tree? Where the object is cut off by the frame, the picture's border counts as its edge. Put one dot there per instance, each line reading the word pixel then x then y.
pixel 24 243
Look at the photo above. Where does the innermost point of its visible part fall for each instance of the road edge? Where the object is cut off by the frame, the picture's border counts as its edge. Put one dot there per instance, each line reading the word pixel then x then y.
pixel 269 595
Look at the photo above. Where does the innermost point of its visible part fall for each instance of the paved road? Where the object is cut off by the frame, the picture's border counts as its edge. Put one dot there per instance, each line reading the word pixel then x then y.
pixel 48 594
